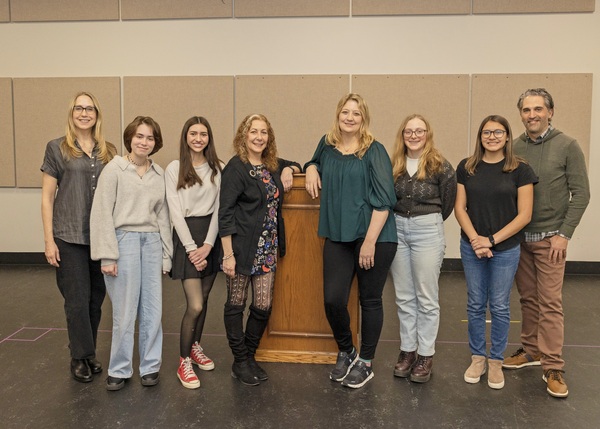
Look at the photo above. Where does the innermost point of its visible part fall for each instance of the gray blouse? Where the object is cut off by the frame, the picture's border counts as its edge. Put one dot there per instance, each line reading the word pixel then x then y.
pixel 77 179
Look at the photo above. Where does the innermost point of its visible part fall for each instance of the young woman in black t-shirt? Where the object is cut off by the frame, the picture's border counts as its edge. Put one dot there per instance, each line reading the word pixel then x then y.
pixel 494 202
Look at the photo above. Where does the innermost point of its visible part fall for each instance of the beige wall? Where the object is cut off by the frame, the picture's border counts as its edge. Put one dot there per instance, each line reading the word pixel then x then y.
pixel 461 44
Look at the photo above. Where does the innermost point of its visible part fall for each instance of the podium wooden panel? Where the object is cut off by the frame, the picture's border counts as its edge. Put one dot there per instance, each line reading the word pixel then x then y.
pixel 298 330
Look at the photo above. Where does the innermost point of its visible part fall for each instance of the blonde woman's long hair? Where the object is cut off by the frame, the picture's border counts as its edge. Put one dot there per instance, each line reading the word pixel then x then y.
pixel 68 148
pixel 431 161
pixel 269 155
pixel 365 138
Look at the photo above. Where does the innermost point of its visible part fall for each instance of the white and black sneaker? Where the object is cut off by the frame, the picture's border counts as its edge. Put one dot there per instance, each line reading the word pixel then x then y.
pixel 360 374
pixel 343 365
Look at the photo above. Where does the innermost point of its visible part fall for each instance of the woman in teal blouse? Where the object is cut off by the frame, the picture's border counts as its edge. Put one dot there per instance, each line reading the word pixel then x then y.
pixel 354 173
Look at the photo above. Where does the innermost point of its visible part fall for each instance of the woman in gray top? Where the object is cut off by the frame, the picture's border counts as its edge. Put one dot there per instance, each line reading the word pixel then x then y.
pixel 131 234
pixel 72 165
pixel 425 186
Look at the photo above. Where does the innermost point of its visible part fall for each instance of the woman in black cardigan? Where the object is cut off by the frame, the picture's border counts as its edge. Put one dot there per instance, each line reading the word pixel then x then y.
pixel 252 233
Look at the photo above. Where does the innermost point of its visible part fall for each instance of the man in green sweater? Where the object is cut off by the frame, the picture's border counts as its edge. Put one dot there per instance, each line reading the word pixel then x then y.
pixel 560 198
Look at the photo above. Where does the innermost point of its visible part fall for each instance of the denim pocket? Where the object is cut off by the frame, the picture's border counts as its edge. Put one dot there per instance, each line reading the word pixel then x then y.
pixel 120 234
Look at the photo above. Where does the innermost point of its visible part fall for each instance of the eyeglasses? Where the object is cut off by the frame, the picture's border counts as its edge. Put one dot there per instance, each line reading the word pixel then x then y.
pixel 486 134
pixel 419 132
pixel 88 109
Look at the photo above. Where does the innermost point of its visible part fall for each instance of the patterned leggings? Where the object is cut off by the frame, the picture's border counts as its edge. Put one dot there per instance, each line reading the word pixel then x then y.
pixel 262 290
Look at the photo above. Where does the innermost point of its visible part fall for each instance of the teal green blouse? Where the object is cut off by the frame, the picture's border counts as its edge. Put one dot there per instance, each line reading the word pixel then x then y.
pixel 351 189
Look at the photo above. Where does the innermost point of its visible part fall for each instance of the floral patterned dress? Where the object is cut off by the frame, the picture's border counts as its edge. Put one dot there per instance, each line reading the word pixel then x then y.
pixel 265 259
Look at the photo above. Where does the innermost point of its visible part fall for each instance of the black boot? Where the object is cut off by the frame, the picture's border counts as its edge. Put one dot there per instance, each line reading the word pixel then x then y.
pixel 255 327
pixel 234 327
pixel 243 372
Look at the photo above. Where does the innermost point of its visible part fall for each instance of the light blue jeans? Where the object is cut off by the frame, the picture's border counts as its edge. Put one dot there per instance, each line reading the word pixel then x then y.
pixel 415 272
pixel 489 280
pixel 136 291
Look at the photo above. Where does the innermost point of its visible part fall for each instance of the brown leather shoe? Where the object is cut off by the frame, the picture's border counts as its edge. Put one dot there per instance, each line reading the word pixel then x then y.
pixel 555 383
pixel 406 361
pixel 421 372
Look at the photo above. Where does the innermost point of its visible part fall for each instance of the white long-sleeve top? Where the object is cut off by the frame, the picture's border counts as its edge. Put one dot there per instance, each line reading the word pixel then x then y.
pixel 193 201
pixel 125 201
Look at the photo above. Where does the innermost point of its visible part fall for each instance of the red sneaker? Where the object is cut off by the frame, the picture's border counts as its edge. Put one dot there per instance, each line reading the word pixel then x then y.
pixel 200 359
pixel 186 374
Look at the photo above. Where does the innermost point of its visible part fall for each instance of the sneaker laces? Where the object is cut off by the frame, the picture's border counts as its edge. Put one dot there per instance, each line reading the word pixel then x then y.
pixel 188 370
pixel 421 361
pixel 555 374
pixel 519 352
pixel 198 352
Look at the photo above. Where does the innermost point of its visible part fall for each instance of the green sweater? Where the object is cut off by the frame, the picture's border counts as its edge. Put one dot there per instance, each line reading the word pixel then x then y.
pixel 563 191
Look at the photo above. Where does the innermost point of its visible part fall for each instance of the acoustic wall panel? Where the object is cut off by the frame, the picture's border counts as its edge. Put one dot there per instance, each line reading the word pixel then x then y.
pixel 173 100
pixel 64 10
pixel 173 9
pixel 499 93
pixel 7 142
pixel 532 6
pixel 442 99
pixel 280 8
pixel 4 11
pixel 300 108
pixel 411 7
pixel 41 108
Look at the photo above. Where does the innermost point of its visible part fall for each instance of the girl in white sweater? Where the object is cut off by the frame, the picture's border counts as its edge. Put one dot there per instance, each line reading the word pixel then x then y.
pixel 192 183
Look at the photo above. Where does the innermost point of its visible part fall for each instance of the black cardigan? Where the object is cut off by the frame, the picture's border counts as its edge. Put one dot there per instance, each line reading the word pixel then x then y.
pixel 242 210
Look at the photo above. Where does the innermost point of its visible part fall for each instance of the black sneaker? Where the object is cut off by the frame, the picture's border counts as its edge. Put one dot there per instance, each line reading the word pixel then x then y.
pixel 343 365
pixel 114 383
pixel 360 374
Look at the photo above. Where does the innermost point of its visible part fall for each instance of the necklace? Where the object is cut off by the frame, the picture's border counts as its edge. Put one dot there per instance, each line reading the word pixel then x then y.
pixel 135 163
pixel 344 150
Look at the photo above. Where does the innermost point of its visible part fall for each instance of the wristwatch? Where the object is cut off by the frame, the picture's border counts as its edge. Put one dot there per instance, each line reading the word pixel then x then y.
pixel 491 238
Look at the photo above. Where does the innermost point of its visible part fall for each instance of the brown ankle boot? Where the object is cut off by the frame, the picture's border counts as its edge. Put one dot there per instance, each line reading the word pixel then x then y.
pixel 421 372
pixel 406 361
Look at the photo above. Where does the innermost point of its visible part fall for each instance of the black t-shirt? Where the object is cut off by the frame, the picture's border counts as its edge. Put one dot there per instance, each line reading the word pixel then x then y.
pixel 492 197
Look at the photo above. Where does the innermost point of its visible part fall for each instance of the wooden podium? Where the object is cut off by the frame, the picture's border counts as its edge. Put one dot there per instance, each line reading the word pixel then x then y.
pixel 298 330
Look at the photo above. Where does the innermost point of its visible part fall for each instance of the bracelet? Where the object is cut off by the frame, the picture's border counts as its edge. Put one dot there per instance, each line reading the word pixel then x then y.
pixel 228 256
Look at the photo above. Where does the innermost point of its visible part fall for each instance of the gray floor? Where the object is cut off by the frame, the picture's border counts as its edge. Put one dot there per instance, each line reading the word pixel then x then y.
pixel 36 389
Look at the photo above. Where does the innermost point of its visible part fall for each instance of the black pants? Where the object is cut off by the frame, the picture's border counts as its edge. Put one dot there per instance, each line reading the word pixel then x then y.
pixel 340 264
pixel 81 284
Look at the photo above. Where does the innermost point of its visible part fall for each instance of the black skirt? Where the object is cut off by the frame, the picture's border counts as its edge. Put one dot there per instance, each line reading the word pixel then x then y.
pixel 182 267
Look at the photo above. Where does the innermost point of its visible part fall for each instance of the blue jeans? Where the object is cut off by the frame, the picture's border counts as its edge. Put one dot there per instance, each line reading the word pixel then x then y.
pixel 489 280
pixel 136 290
pixel 415 272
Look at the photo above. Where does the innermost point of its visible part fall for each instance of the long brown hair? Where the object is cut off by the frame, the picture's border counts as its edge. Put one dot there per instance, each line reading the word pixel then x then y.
pixel 431 160
pixel 68 148
pixel 365 138
pixel 269 155
pixel 511 161
pixel 187 173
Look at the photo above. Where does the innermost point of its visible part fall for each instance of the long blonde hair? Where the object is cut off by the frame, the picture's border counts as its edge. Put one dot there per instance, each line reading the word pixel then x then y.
pixel 431 161
pixel 365 138
pixel 269 155
pixel 68 148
